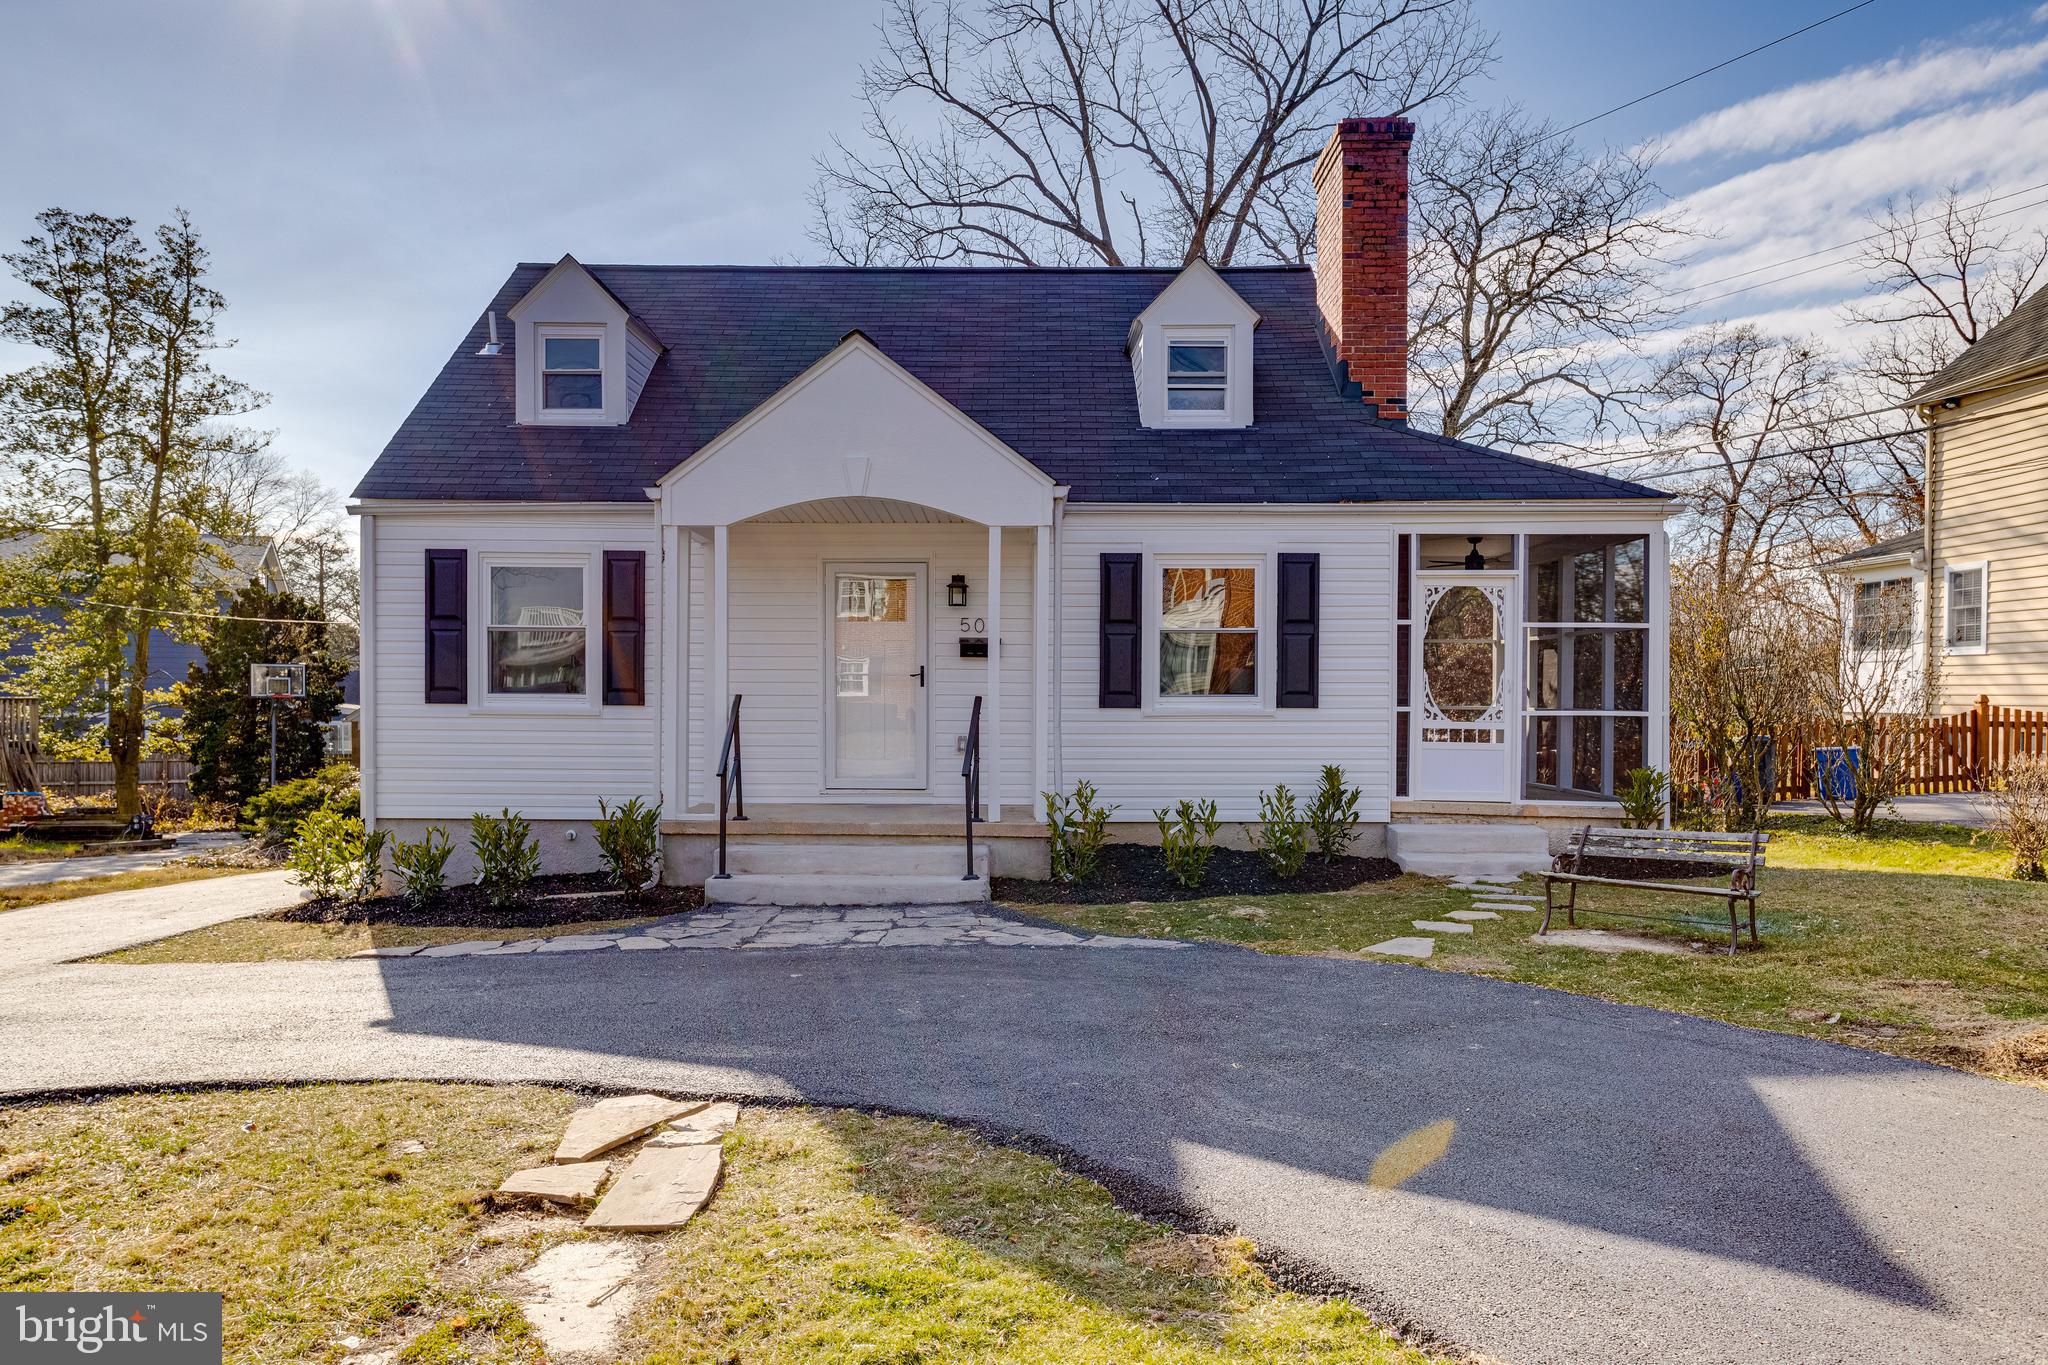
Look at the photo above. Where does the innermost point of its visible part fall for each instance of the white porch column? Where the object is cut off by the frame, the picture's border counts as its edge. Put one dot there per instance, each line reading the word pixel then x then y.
pixel 673 699
pixel 992 705
pixel 1657 743
pixel 721 639
pixel 1041 666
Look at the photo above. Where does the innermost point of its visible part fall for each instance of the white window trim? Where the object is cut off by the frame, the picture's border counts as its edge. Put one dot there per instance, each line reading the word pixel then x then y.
pixel 1913 613
pixel 1982 568
pixel 1170 337
pixel 1263 658
pixel 597 416
pixel 483 699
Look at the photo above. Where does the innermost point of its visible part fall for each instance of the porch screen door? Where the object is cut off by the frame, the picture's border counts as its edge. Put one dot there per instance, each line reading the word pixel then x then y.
pixel 1464 686
pixel 875 686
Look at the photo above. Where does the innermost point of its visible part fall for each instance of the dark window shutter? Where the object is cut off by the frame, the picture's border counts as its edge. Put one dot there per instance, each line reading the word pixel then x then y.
pixel 1120 665
pixel 1300 603
pixel 447 597
pixel 625 628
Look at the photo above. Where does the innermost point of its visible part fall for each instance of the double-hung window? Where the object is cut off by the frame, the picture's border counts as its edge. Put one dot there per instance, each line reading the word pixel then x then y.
pixel 571 372
pixel 1882 614
pixel 1208 631
pixel 1967 608
pixel 1198 376
pixel 538 639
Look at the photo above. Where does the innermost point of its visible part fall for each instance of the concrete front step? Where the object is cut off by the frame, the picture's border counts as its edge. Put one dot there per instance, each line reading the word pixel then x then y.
pixel 835 888
pixel 1492 848
pixel 860 858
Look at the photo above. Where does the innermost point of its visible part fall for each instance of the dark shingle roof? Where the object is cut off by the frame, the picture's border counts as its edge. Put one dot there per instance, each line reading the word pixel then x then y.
pixel 1883 549
pixel 1036 356
pixel 2017 344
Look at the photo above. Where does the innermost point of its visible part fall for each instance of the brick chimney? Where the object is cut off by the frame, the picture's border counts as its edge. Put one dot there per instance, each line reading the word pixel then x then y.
pixel 1361 185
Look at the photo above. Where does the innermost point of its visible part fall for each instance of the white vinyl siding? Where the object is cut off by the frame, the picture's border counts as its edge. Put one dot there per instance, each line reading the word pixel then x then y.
pixel 446 762
pixel 1153 757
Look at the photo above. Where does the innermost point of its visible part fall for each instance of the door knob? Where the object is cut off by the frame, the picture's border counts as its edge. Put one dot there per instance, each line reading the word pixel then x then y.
pixel 919 675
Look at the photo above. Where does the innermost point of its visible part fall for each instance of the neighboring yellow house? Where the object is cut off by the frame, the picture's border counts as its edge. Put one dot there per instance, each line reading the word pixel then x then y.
pixel 1985 548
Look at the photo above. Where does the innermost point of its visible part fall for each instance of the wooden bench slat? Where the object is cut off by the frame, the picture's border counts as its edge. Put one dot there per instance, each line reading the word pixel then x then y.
pixel 1721 891
pixel 1742 837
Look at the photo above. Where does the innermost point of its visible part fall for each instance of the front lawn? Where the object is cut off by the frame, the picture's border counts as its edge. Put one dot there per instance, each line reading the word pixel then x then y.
pixel 269 939
pixel 334 1217
pixel 19 848
pixel 1911 941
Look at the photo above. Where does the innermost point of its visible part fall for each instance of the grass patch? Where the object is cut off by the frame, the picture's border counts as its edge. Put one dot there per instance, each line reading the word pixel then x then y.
pixel 19 848
pixel 296 1203
pixel 43 893
pixel 1910 941
pixel 274 940
pixel 835 1237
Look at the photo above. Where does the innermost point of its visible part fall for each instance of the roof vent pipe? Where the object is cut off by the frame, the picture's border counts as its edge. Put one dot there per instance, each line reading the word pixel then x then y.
pixel 492 347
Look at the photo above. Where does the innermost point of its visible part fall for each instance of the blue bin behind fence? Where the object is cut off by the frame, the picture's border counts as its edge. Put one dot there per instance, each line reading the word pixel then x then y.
pixel 1834 772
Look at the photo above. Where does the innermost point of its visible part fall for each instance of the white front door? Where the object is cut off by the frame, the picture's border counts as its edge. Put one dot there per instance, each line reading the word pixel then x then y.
pixel 1464 686
pixel 875 676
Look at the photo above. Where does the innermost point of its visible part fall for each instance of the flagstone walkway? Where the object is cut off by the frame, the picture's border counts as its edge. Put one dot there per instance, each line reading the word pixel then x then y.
pixel 811 927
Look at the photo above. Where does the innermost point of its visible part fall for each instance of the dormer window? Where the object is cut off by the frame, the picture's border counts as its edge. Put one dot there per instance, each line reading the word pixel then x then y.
pixel 572 371
pixel 1198 376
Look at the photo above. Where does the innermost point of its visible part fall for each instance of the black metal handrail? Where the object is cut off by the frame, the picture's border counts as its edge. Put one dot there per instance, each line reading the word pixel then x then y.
pixel 970 774
pixel 732 783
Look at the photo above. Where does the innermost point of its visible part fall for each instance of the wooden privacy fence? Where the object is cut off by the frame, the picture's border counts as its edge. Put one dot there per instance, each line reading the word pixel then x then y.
pixel 1958 753
pixel 81 778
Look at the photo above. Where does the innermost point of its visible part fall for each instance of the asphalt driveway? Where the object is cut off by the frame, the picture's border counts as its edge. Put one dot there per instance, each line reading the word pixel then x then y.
pixel 1617 1184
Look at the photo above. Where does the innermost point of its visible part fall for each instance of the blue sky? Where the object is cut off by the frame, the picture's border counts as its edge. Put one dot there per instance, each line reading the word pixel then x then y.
pixel 366 171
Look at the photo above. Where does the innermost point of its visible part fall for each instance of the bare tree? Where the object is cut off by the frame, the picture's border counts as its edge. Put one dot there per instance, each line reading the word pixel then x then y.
pixel 1534 264
pixel 1874 690
pixel 1119 132
pixel 1939 276
pixel 1740 411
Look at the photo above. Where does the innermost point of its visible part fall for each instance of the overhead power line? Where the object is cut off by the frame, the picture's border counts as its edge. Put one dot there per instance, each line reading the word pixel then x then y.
pixel 1761 47
pixel 133 609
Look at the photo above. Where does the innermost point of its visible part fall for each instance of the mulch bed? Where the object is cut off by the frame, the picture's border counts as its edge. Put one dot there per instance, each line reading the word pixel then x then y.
pixel 1135 872
pixel 549 900
pixel 1651 869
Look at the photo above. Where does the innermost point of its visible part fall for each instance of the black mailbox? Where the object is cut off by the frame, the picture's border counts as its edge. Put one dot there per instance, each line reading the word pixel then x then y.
pixel 971 648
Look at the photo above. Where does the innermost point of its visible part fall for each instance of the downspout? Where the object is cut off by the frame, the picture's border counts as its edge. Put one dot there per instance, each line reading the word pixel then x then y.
pixel 366 668
pixel 1932 659
pixel 1056 760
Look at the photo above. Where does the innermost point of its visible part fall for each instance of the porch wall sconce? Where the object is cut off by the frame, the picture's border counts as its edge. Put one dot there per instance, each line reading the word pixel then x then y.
pixel 956 591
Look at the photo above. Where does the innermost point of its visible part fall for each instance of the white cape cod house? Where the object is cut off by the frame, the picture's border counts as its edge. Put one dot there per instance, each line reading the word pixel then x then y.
pixel 1165 531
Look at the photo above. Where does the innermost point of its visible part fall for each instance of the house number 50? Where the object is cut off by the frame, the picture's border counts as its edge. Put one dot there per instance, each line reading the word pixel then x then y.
pixel 974 625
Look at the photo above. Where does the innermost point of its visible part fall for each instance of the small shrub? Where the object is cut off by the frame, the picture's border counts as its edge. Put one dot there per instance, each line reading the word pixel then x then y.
pixel 423 867
pixel 2019 801
pixel 1643 794
pixel 629 841
pixel 1079 829
pixel 1333 819
pixel 507 856
pixel 1282 835
pixel 370 867
pixel 275 814
pixel 1187 838
pixel 327 854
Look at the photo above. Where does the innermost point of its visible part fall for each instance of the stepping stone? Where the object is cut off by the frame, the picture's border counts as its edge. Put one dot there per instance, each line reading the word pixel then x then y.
pixel 576 1184
pixel 717 1117
pixel 1600 941
pixel 387 952
pixel 609 1122
pixel 576 943
pixel 909 938
pixel 685 1137
pixel 577 1298
pixel 469 949
pixel 1503 905
pixel 660 1191
pixel 1471 915
pixel 1441 926
pixel 1405 947
pixel 642 944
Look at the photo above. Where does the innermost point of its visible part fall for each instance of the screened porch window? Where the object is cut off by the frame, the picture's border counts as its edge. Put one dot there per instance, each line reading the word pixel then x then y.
pixel 1586 619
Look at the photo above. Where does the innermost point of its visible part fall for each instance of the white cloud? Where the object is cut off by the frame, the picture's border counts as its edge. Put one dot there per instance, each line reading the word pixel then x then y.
pixel 1854 101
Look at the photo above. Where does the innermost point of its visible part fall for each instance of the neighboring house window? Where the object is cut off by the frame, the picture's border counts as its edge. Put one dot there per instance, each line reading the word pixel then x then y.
pixel 537 641
pixel 1208 632
pixel 572 373
pixel 1197 376
pixel 1882 614
pixel 1966 608
pixel 856 599
pixel 853 675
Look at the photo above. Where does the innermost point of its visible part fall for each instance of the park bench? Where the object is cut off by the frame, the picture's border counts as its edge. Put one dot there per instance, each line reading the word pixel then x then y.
pixel 1741 854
